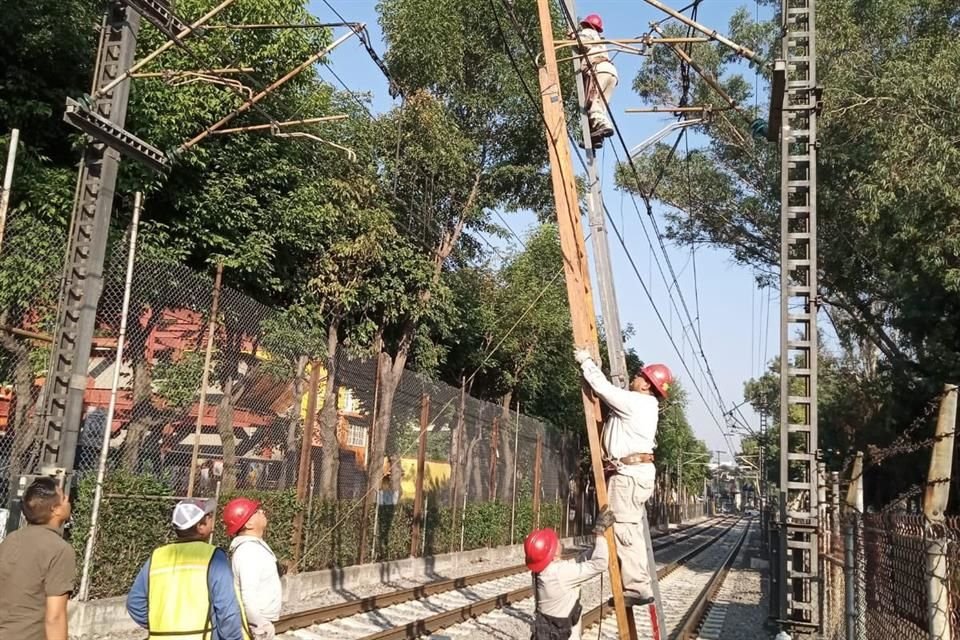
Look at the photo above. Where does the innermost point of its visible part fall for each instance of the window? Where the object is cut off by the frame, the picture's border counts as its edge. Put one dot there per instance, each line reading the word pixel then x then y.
pixel 349 403
pixel 356 436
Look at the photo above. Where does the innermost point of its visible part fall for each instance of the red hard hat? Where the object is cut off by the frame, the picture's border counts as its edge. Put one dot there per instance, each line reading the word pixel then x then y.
pixel 593 20
pixel 237 512
pixel 540 547
pixel 659 377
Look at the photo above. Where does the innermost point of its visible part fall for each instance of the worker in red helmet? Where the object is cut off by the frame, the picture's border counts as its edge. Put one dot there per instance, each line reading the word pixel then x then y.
pixel 599 77
pixel 256 571
pixel 629 438
pixel 557 582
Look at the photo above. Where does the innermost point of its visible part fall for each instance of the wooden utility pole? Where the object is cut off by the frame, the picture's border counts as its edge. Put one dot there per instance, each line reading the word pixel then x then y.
pixel 421 469
pixel 577 275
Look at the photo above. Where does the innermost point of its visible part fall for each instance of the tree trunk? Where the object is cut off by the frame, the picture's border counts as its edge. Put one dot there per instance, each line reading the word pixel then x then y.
pixel 389 373
pixel 328 418
pixel 508 426
pixel 291 449
pixel 474 469
pixel 142 416
pixel 228 442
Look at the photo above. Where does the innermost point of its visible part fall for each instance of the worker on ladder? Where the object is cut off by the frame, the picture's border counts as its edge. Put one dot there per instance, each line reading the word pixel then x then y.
pixel 557 582
pixel 629 437
pixel 599 78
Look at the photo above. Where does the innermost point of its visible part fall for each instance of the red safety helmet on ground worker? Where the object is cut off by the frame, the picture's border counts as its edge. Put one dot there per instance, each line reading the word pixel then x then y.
pixel 593 21
pixel 237 513
pixel 659 376
pixel 540 548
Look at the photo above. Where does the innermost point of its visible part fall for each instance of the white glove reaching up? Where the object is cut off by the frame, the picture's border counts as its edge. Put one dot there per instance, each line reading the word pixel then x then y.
pixel 581 355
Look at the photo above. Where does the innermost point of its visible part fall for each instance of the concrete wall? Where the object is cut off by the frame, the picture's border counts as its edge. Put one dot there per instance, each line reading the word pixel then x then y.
pixel 107 618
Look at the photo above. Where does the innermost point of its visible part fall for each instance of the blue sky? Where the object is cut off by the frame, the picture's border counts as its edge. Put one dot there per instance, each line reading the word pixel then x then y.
pixel 738 323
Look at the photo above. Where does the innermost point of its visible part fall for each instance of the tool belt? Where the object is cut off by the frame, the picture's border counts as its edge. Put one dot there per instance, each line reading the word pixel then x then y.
pixel 633 458
pixel 550 628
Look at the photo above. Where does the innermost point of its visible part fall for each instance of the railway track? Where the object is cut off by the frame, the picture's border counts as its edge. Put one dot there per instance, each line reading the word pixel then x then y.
pixel 425 609
pixel 687 588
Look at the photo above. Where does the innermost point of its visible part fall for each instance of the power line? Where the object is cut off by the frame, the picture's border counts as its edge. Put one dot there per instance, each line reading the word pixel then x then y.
pixel 607 212
pixel 649 209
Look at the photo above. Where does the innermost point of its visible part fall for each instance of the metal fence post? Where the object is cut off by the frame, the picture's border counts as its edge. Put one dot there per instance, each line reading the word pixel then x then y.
pixel 421 467
pixel 306 462
pixel 205 380
pixel 8 181
pixel 935 501
pixel 537 480
pixel 87 571
pixel 516 456
pixel 856 629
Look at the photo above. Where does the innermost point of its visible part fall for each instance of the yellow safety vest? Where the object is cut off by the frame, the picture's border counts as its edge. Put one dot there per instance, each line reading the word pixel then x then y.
pixel 178 593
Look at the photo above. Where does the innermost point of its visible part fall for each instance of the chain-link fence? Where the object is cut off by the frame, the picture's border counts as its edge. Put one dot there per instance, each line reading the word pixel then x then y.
pixel 217 395
pixel 879 571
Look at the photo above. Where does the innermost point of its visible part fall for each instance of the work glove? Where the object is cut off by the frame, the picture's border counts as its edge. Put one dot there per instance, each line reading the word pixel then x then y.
pixel 581 355
pixel 264 631
pixel 604 521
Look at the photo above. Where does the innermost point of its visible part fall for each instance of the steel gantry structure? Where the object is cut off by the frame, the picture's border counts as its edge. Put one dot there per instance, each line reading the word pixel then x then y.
pixel 795 104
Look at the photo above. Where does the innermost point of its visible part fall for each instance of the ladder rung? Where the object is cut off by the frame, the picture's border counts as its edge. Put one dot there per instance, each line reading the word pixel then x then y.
pixel 802 606
pixel 801 528
pixel 799 400
pixel 798 372
pixel 794 427
pixel 801 457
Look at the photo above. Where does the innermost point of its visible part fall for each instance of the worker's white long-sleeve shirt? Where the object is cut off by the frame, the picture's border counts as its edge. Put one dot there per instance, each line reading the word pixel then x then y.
pixel 256 576
pixel 631 425
pixel 596 51
pixel 558 586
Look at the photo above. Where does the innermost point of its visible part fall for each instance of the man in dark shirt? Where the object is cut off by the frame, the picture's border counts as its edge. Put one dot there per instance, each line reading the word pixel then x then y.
pixel 37 568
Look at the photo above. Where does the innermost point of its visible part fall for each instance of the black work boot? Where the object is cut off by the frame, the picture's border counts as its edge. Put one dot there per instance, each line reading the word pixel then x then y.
pixel 633 599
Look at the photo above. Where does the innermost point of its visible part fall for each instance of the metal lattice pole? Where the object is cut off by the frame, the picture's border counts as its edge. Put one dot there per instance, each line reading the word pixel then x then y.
pixel 83 268
pixel 798 99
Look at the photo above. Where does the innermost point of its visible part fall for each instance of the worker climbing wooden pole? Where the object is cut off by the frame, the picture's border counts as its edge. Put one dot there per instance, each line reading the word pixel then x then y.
pixel 576 272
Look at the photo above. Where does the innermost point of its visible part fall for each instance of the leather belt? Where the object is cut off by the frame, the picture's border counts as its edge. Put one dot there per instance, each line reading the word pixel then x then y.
pixel 635 458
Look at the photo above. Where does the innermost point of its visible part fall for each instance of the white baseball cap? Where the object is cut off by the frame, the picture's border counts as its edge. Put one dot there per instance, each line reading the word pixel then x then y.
pixel 188 513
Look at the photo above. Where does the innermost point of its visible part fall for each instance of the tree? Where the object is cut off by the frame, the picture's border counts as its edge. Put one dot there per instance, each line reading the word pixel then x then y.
pixel 888 257
pixel 677 445
pixel 464 141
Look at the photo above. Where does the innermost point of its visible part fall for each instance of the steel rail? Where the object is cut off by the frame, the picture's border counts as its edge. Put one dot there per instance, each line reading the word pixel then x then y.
pixel 594 616
pixel 693 618
pixel 337 611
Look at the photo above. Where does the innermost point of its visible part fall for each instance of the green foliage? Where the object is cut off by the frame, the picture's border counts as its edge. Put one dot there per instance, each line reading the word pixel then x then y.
pixel 130 527
pixel 676 442
pixel 179 381
pixel 887 208
pixel 135 519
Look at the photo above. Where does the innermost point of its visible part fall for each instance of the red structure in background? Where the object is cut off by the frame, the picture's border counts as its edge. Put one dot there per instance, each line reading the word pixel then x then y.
pixel 264 402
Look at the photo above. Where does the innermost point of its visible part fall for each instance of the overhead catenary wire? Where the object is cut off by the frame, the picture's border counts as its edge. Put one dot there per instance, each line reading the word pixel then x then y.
pixel 649 209
pixel 663 323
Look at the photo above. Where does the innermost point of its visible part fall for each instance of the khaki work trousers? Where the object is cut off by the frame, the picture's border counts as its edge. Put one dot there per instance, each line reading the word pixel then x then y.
pixel 628 496
pixel 606 82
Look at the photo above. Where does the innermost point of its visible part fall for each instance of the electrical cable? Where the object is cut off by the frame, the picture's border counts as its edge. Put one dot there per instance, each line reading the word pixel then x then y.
pixel 709 372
